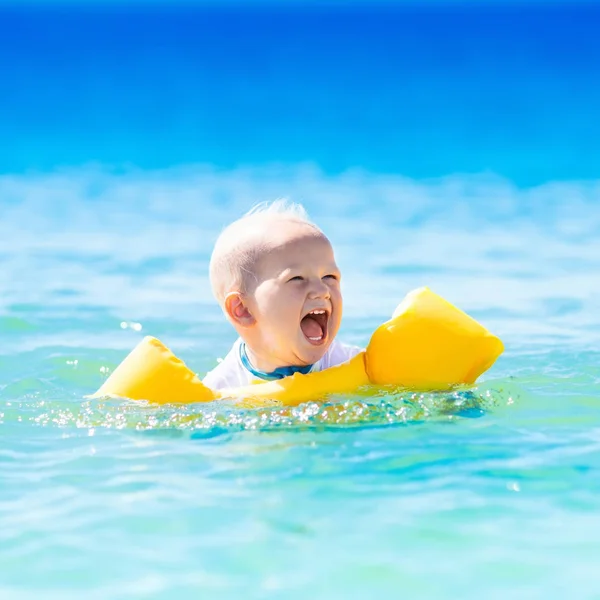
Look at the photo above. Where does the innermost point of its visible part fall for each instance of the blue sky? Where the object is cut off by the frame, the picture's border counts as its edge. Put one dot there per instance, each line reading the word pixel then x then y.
pixel 419 90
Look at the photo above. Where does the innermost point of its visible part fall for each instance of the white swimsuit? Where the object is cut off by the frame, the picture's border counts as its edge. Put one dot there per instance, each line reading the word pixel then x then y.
pixel 232 373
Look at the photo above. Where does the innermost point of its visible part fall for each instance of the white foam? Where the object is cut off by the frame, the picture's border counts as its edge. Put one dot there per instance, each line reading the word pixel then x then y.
pixel 479 240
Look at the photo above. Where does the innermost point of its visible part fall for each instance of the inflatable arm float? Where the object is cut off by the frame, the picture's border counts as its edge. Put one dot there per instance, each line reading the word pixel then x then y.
pixel 428 344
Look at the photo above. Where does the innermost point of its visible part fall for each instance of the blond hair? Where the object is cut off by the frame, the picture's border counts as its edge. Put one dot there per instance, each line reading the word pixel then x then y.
pixel 241 243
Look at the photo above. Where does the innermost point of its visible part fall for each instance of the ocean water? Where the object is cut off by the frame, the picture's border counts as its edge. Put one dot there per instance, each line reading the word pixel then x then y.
pixel 454 146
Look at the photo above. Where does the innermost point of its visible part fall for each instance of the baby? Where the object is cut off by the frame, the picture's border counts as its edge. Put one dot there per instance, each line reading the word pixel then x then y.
pixel 274 274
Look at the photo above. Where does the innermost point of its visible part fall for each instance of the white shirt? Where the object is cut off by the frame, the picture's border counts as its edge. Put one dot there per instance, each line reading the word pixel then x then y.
pixel 231 372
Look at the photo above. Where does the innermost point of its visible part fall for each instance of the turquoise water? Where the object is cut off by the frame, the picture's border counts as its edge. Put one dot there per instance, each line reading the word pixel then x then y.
pixel 454 147
pixel 436 496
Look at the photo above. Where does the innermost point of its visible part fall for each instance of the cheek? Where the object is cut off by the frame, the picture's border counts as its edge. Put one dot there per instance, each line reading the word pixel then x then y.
pixel 275 306
pixel 336 295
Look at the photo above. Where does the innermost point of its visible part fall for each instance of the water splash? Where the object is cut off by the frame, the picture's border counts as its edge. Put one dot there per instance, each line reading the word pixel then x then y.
pixel 383 408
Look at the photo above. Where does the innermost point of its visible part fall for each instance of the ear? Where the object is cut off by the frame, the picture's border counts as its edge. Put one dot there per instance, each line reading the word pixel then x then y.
pixel 237 311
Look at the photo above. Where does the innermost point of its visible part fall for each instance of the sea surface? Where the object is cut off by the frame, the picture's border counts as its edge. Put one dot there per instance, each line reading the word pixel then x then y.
pixel 450 145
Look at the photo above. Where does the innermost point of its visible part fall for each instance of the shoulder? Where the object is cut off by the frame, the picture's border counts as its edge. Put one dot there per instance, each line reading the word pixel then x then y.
pixel 337 354
pixel 228 373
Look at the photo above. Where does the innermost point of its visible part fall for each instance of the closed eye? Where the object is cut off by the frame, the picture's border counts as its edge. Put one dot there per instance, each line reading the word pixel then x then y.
pixel 336 277
pixel 296 278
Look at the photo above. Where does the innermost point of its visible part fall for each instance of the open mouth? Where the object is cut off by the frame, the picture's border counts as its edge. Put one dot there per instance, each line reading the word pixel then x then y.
pixel 314 326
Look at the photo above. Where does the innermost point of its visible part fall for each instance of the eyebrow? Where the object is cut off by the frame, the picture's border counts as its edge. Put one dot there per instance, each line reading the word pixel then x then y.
pixel 299 267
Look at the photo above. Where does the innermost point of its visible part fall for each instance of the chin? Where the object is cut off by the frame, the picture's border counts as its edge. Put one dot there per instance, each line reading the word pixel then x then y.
pixel 314 354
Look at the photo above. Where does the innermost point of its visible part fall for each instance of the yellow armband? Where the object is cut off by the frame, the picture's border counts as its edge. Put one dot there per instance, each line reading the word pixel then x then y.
pixel 428 344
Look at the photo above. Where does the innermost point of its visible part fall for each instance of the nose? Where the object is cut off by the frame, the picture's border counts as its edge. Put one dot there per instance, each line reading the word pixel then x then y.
pixel 319 289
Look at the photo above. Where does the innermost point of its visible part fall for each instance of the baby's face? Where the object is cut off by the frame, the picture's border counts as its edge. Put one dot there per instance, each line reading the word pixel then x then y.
pixel 297 302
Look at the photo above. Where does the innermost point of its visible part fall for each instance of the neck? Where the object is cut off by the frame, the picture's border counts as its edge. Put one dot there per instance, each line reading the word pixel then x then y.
pixel 265 369
pixel 261 362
